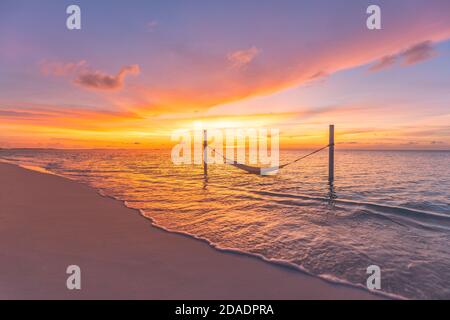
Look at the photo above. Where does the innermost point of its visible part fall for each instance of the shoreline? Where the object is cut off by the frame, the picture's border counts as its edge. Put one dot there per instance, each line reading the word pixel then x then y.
pixel 235 274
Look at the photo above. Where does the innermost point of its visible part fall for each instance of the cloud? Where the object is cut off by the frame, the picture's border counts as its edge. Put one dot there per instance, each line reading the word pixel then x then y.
pixel 416 53
pixel 102 81
pixel 87 77
pixel 151 26
pixel 206 70
pixel 242 58
pixel 384 63
pixel 319 75
pixel 197 81
pixel 60 69
pixel 64 116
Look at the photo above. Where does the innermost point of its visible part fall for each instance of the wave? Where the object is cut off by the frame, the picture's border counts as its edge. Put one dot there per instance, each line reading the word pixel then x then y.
pixel 412 217
pixel 279 262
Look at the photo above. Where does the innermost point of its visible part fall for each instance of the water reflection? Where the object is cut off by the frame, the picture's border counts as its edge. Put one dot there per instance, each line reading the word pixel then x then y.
pixel 332 196
pixel 205 181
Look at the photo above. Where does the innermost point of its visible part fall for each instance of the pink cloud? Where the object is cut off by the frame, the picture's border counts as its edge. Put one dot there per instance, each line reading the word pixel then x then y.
pixel 414 54
pixel 195 81
pixel 384 63
pixel 241 58
pixel 59 69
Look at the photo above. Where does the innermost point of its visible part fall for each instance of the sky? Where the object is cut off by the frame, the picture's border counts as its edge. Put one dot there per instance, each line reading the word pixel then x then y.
pixel 138 70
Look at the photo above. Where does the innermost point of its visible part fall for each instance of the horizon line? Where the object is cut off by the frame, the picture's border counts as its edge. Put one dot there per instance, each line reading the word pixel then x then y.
pixel 166 147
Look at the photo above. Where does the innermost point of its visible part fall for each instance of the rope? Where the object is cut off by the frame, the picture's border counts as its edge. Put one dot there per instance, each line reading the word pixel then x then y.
pixel 225 158
pixel 305 156
pixel 252 169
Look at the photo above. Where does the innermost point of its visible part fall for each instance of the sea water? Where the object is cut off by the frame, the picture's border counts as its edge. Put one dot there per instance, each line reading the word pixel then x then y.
pixel 386 208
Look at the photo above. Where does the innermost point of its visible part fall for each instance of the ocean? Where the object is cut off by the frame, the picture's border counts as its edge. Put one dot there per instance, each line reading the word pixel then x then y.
pixel 386 208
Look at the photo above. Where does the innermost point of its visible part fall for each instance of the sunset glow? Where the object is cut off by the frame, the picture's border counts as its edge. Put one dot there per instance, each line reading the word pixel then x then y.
pixel 165 68
pixel 226 155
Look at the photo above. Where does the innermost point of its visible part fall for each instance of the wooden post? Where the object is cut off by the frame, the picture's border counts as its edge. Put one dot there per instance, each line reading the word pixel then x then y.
pixel 205 152
pixel 331 155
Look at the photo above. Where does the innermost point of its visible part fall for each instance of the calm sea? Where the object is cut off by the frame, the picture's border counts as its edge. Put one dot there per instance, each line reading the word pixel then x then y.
pixel 387 208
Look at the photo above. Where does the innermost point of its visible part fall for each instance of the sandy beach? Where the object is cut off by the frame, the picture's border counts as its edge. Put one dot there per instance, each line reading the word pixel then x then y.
pixel 48 223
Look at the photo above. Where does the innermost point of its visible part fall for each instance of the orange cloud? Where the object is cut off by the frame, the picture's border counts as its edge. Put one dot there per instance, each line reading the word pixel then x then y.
pixel 75 118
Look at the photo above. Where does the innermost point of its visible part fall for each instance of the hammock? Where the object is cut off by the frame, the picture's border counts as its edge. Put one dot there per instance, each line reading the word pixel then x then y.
pixel 255 170
pixel 264 171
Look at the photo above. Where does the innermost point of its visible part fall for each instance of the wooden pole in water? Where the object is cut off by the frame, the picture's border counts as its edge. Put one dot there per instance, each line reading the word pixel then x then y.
pixel 331 155
pixel 205 152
